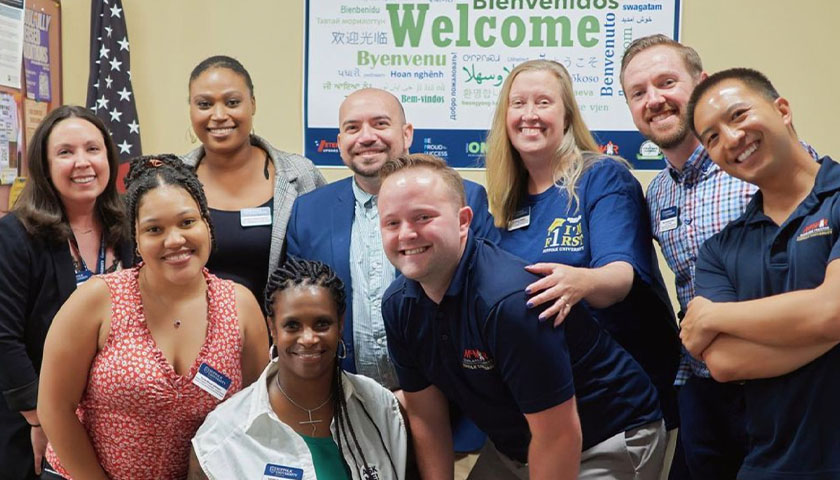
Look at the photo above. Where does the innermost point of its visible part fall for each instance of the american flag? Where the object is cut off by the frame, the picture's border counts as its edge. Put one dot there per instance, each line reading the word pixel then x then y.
pixel 109 94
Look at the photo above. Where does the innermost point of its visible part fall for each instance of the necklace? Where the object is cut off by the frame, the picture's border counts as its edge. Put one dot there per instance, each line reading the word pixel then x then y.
pixel 176 322
pixel 308 411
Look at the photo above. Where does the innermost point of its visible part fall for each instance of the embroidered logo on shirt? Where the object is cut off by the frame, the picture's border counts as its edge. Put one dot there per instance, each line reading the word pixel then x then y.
pixel 475 359
pixel 564 235
pixel 816 229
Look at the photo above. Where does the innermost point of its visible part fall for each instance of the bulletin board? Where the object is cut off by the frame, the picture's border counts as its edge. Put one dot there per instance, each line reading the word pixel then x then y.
pixel 40 89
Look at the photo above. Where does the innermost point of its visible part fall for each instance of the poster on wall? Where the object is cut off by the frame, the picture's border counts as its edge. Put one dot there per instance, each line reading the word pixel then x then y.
pixel 36 55
pixel 11 46
pixel 11 140
pixel 446 60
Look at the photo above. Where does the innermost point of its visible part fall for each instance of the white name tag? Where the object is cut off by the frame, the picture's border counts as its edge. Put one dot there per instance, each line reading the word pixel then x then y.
pixel 253 217
pixel 668 219
pixel 212 381
pixel 521 219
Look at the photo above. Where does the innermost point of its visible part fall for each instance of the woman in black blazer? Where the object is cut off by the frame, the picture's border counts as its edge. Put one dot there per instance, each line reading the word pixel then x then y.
pixel 67 225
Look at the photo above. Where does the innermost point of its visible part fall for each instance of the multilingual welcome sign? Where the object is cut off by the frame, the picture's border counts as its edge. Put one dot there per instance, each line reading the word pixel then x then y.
pixel 446 60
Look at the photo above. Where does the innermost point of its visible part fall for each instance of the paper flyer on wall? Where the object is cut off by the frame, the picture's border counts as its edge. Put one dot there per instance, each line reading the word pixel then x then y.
pixel 36 55
pixel 446 60
pixel 11 42
pixel 10 138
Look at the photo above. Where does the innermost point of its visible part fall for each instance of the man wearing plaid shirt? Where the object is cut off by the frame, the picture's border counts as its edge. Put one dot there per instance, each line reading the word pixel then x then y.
pixel 689 201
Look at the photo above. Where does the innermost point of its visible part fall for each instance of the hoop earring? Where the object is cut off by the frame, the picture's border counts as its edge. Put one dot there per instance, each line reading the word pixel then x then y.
pixel 273 356
pixel 191 135
pixel 341 351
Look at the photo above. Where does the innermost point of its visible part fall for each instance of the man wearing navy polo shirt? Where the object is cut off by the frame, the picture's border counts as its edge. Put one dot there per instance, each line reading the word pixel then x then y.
pixel 767 309
pixel 458 330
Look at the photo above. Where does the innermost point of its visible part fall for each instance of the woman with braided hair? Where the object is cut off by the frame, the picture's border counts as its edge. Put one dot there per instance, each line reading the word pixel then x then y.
pixel 135 360
pixel 305 418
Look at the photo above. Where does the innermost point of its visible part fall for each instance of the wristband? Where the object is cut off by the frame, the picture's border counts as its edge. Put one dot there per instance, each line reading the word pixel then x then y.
pixel 35 425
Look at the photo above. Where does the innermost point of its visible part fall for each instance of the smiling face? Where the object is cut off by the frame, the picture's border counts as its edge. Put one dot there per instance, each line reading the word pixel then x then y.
pixel 221 110
pixel 424 228
pixel 372 129
pixel 306 329
pixel 535 117
pixel 78 162
pixel 172 238
pixel 657 87
pixel 744 131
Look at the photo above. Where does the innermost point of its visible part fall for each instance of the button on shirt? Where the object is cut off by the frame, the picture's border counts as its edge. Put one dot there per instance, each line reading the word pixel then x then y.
pixel 707 199
pixel 243 435
pixel 371 273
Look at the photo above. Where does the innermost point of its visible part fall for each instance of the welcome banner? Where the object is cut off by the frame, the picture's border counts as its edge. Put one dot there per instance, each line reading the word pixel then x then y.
pixel 446 60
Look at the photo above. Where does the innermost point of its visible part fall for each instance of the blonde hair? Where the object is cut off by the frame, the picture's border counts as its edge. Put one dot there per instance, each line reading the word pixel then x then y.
pixel 507 178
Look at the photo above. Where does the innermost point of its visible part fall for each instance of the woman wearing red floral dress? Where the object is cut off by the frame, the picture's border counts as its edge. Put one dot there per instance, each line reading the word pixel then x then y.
pixel 135 360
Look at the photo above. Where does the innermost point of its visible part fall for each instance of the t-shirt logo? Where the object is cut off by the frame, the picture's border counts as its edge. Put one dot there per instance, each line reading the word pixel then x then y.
pixel 371 472
pixel 475 359
pixel 816 229
pixel 564 235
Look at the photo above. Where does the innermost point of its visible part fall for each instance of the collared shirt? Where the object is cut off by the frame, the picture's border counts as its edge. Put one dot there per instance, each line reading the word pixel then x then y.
pixel 244 438
pixel 704 199
pixel 792 421
pixel 370 274
pixel 490 354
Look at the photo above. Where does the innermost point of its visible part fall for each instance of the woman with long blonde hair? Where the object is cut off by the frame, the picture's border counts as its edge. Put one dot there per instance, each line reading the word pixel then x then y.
pixel 581 214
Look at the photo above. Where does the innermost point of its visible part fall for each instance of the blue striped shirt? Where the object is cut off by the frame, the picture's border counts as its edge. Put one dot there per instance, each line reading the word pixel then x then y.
pixel 370 273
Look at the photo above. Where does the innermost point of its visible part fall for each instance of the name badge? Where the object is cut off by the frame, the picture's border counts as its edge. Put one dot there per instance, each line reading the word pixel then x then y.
pixel 521 219
pixel 212 381
pixel 280 472
pixel 668 219
pixel 254 217
pixel 82 277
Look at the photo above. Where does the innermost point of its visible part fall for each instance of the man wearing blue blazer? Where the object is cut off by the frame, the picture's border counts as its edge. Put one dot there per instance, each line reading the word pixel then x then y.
pixel 338 224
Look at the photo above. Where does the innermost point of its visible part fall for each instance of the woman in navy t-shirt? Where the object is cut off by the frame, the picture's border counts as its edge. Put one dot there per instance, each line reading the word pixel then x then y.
pixel 580 217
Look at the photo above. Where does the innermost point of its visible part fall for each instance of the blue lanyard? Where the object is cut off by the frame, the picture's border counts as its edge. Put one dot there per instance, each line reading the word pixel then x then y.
pixel 100 263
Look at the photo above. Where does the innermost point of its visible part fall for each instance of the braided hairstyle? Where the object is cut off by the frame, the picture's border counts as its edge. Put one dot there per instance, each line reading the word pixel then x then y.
pixel 296 272
pixel 149 172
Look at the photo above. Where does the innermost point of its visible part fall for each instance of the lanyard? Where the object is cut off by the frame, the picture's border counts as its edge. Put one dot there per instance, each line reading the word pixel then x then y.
pixel 100 263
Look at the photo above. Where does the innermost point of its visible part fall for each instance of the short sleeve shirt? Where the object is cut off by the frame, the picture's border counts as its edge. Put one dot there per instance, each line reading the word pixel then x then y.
pixel 608 223
pixel 792 421
pixel 489 354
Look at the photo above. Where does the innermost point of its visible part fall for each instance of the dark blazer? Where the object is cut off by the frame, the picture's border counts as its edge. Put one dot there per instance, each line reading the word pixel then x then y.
pixel 319 229
pixel 36 277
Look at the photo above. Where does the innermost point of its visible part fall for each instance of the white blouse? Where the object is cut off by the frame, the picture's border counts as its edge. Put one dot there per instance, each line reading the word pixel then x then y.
pixel 244 438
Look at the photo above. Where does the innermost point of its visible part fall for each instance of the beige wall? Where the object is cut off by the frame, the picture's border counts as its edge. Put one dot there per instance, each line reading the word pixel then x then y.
pixel 794 43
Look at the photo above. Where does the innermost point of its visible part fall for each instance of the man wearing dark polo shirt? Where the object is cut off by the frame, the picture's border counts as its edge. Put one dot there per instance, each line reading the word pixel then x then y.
pixel 458 330
pixel 768 309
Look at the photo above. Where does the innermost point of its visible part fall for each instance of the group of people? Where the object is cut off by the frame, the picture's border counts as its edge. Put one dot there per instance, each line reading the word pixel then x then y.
pixel 411 314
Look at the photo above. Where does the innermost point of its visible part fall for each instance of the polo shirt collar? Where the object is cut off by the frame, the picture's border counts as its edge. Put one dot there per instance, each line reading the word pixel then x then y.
pixel 413 288
pixel 464 265
pixel 826 182
pixel 697 167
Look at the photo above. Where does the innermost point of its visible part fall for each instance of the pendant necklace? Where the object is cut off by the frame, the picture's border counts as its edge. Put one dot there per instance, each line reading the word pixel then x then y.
pixel 175 323
pixel 308 411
